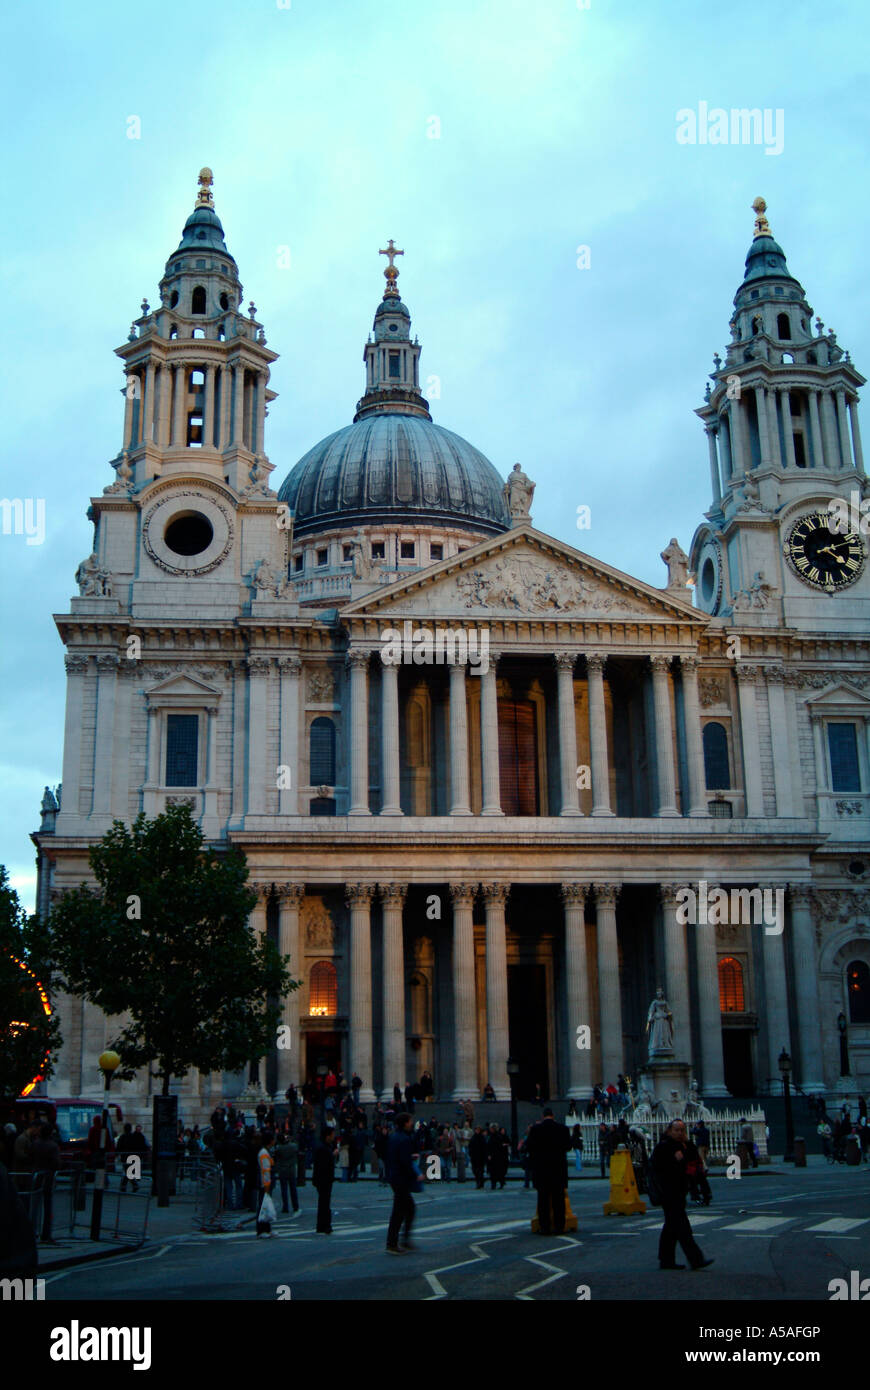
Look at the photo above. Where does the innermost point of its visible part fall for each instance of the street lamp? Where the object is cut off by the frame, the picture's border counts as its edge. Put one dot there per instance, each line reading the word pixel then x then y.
pixel 513 1071
pixel 784 1063
pixel 108 1062
pixel 322 1071
pixel 844 1044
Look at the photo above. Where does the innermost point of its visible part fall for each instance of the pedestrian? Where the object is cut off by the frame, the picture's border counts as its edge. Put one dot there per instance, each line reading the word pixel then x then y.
pixel 639 1156
pixel 577 1146
pixel 323 1176
pixel 603 1147
pixel 356 1087
pixel 462 1135
pixel 701 1136
pixel 549 1143
pixel 404 1181
pixel 265 1164
pixel 746 1146
pixel 45 1156
pixel 497 1156
pixel 126 1146
pixel 824 1131
pixel 344 1158
pixel 669 1181
pixel 477 1155
pixel 488 1092
pixel 286 1158
pixel 446 1151
pixel 525 1158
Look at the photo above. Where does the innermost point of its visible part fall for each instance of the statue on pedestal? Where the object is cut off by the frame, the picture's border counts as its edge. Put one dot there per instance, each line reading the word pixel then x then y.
pixel 660 1027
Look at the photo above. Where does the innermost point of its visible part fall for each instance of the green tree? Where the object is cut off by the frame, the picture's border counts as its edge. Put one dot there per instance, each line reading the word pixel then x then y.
pixel 27 1033
pixel 164 938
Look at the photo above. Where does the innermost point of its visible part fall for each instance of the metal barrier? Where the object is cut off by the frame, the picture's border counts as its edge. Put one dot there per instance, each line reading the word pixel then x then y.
pixel 68 1195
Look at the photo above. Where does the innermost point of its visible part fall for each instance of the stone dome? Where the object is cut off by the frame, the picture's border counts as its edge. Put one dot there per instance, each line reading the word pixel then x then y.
pixel 390 467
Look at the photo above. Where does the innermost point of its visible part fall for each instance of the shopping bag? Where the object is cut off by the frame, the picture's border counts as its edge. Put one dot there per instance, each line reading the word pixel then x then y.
pixel 267 1213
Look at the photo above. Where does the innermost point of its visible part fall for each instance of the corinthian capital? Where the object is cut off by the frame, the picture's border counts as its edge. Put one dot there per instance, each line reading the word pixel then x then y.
pixel 463 894
pixel 393 894
pixel 606 894
pixel 574 894
pixel 290 894
pixel 357 657
pixel 495 894
pixel 76 663
pixel 359 894
pixel 566 661
pixel 595 663
pixel 660 663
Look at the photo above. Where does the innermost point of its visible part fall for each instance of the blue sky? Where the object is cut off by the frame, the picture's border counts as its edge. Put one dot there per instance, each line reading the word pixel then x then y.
pixel 557 130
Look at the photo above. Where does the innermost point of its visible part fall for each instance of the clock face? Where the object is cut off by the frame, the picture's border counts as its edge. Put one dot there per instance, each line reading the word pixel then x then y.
pixel 821 557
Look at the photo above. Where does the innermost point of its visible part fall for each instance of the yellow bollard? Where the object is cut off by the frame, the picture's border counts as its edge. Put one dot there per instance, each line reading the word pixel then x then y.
pixel 624 1197
pixel 570 1218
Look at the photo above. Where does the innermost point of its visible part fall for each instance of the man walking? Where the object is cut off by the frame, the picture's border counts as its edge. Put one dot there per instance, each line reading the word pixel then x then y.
pixel 548 1146
pixel 403 1180
pixel 286 1159
pixel 668 1167
pixel 477 1155
pixel 323 1176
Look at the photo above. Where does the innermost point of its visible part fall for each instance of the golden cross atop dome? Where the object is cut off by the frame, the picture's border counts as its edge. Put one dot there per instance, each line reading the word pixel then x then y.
pixel 204 198
pixel 762 226
pixel 391 274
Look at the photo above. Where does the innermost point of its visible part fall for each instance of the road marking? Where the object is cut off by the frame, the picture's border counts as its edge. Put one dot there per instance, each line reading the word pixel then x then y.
pixel 526 1293
pixel 760 1225
pixel 503 1226
pixel 431 1275
pixel 79 1269
pixel 840 1224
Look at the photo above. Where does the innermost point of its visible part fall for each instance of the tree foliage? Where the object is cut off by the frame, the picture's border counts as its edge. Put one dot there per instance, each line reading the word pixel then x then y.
pixel 27 1033
pixel 164 938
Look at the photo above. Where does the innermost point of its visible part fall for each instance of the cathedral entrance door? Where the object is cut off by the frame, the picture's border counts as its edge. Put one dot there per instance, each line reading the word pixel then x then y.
pixel 322 1047
pixel 527 1025
pixel 737 1056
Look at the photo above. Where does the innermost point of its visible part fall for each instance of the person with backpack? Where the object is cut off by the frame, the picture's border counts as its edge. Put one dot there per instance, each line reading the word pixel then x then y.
pixel 667 1187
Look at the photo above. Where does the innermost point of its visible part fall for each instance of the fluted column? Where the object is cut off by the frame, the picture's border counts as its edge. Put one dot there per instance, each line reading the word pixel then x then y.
pixel 676 971
pixel 746 678
pixel 489 740
pixel 725 446
pixel 393 967
pixel 460 804
pixel 856 434
pixel 179 436
pixel 773 429
pixel 829 429
pixel 164 409
pixel 609 988
pixel 208 414
pixel 787 427
pixel 740 458
pixel 843 427
pixel 76 668
pixel 816 430
pixel 497 1035
pixel 107 666
pixel 806 984
pixel 260 413
pixel 359 900
pixel 290 668
pixel 776 999
pixel 358 662
pixel 131 389
pixel 783 740
pixel 465 1079
pixel 238 404
pixel 694 740
pixel 763 435
pixel 666 782
pixel 290 897
pixel 715 482
pixel 598 736
pixel 390 744
pixel 567 733
pixel 224 411
pixel 709 1014
pixel 258 671
pixel 148 404
pixel 577 990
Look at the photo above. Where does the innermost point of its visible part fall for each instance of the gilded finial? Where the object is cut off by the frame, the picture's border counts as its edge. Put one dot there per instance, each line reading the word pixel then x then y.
pixel 391 274
pixel 203 197
pixel 762 226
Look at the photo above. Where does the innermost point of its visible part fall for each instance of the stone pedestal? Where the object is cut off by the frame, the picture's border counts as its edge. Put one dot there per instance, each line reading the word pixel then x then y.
pixel 664 1076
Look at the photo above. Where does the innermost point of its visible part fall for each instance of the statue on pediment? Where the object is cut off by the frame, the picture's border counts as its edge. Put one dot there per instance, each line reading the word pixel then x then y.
pixel 92 579
pixel 677 562
pixel 518 493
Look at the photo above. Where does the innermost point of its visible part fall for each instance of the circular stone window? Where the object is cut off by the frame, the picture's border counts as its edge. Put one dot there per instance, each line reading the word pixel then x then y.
pixel 189 533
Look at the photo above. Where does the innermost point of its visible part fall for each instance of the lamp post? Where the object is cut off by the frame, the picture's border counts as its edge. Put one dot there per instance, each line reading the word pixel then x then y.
pixel 108 1062
pixel 784 1062
pixel 844 1045
pixel 322 1071
pixel 513 1068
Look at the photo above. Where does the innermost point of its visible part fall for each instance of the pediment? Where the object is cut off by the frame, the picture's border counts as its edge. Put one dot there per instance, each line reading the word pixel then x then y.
pixel 525 573
pixel 182 686
pixel 838 696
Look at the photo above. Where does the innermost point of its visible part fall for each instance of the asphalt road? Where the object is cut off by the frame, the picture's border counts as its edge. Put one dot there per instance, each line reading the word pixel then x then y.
pixel 777 1236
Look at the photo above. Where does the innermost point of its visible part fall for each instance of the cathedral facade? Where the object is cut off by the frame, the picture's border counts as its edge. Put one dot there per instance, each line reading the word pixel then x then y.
pixel 487 785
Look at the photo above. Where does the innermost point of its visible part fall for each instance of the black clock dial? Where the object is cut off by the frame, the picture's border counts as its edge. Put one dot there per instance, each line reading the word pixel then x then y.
pixel 821 557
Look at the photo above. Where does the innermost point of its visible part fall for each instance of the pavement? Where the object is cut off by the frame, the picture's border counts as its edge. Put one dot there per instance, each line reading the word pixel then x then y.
pixel 776 1233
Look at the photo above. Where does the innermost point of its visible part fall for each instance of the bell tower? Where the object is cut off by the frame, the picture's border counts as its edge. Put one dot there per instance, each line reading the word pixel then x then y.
pixel 785 457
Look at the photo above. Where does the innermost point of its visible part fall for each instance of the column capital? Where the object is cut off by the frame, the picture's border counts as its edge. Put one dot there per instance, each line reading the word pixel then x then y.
pixel 660 663
pixel 290 894
pixel 690 664
pixel 108 661
pixel 606 894
pixel 574 894
pixel 595 662
pixel 711 430
pixel 746 675
pixel 463 894
pixel 393 894
pixel 262 891
pixel 258 665
pixel 357 657
pixel 774 675
pixel 495 894
pixel 566 661
pixel 359 894
pixel 75 663
pixel 290 665
pixel 668 893
pixel 800 894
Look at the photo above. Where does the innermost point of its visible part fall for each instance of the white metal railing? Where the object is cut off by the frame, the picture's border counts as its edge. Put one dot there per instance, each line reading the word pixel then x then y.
pixel 724 1127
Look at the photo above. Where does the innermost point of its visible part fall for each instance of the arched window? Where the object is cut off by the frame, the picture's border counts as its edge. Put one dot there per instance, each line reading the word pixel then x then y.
pixel 173 299
pixel 731 997
pixel 323 990
pixel 197 302
pixel 858 986
pixel 518 757
pixel 321 752
pixel 812 356
pixel 716 769
pixel 783 327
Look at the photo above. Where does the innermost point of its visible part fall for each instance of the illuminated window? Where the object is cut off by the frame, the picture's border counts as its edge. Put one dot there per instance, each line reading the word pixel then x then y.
pixel 858 984
pixel 323 990
pixel 731 1000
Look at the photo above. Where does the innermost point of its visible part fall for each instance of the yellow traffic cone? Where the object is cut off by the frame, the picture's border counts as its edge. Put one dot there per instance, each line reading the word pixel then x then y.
pixel 624 1197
